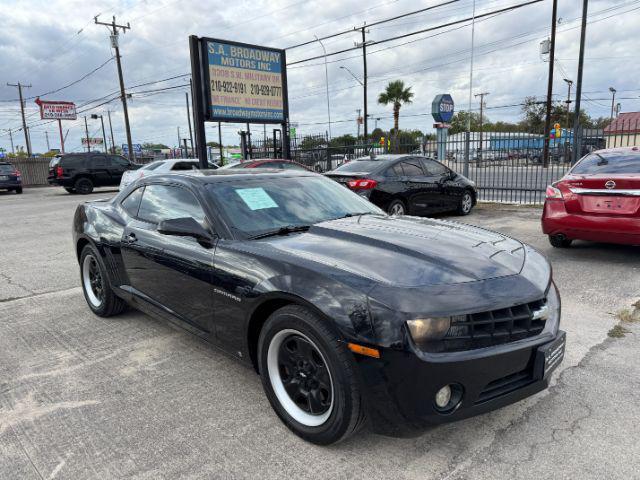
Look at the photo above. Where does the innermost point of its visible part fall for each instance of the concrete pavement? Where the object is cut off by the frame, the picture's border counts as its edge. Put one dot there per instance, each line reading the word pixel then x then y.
pixel 131 396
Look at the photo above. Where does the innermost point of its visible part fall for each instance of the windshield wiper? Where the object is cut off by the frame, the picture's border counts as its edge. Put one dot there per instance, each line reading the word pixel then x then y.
pixel 347 215
pixel 281 231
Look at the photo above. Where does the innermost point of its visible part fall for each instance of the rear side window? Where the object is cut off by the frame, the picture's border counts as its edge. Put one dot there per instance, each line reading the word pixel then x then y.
pixel 6 168
pixel 166 202
pixel 181 166
pixel 360 166
pixel 412 168
pixel 151 166
pixel 98 161
pixel 608 163
pixel 434 168
pixel 72 161
pixel 132 202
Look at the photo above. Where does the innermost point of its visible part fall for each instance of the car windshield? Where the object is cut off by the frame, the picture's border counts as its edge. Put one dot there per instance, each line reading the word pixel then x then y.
pixel 255 206
pixel 363 166
pixel 608 163
pixel 5 168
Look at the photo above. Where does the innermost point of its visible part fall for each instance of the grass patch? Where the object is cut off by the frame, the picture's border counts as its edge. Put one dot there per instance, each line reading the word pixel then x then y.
pixel 618 331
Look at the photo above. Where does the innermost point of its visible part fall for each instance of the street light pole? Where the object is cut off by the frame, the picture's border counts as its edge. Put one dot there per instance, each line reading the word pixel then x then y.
pixel 113 143
pixel 481 95
pixel 613 100
pixel 104 134
pixel 465 170
pixel 569 83
pixel 547 119
pixel 326 82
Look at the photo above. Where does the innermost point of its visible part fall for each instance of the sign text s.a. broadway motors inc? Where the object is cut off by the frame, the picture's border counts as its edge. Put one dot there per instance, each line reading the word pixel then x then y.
pixel 246 83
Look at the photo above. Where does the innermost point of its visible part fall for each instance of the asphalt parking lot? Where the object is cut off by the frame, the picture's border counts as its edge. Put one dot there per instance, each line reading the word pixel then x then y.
pixel 131 396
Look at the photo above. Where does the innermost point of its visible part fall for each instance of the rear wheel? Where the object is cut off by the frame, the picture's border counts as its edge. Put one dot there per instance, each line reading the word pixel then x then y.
pixel 95 284
pixel 466 203
pixel 83 186
pixel 69 190
pixel 560 241
pixel 397 208
pixel 308 376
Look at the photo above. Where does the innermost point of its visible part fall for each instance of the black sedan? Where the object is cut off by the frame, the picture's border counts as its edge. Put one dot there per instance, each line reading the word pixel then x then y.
pixel 10 178
pixel 408 184
pixel 349 315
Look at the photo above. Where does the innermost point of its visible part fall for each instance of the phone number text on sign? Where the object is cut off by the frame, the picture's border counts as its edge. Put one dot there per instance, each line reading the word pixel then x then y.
pixel 245 82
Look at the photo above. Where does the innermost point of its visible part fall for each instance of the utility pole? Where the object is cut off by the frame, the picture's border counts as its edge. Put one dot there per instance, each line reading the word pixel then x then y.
pixel 113 144
pixel 465 170
pixel 569 83
pixel 46 135
pixel 189 117
pixel 613 100
pixel 179 140
pixel 358 121
pixel 364 86
pixel 552 49
pixel 220 141
pixel 326 84
pixel 481 95
pixel 86 129
pixel 123 95
pixel 13 151
pixel 576 115
pixel 24 122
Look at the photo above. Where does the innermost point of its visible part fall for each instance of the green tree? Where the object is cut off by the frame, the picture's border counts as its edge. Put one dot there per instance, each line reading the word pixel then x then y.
pixel 377 134
pixel 154 146
pixel 213 144
pixel 397 95
pixel 311 142
pixel 459 122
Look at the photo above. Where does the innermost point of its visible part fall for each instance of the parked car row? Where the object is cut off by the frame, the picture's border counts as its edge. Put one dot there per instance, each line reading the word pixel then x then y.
pixel 10 178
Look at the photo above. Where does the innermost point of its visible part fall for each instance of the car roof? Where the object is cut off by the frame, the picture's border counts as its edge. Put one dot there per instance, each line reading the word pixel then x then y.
pixel 387 157
pixel 222 175
pixel 634 149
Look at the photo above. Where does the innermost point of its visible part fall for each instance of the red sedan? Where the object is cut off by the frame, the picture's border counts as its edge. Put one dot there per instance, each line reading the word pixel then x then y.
pixel 270 163
pixel 597 200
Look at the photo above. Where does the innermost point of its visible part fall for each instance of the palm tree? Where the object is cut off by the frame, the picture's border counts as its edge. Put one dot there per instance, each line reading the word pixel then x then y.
pixel 396 94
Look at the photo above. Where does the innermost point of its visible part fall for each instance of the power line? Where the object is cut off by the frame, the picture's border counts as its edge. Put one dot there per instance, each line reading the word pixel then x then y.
pixel 437 27
pixel 344 32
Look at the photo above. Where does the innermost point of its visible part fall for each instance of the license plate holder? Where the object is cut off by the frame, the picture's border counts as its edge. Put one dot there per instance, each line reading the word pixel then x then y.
pixel 549 356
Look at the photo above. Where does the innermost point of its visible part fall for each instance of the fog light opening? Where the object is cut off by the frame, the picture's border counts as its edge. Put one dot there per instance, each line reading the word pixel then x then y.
pixel 448 398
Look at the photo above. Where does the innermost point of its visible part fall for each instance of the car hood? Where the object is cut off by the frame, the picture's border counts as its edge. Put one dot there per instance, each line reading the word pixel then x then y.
pixel 406 251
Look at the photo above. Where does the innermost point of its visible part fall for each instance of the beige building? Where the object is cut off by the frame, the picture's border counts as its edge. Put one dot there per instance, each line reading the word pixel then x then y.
pixel 624 131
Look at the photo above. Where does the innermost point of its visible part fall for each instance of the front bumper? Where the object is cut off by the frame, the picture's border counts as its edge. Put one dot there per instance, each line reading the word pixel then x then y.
pixel 399 388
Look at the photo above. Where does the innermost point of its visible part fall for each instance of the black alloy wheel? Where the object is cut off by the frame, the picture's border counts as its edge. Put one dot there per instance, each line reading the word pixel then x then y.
pixel 560 241
pixel 308 375
pixel 83 186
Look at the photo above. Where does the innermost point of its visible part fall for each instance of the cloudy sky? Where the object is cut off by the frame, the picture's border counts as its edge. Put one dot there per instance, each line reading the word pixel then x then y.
pixel 51 44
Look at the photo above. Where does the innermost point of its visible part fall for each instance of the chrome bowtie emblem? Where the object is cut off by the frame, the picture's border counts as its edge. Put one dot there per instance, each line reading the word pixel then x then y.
pixel 610 184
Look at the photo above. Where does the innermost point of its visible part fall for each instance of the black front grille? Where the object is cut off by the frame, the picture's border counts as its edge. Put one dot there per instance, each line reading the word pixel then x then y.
pixel 505 385
pixel 495 327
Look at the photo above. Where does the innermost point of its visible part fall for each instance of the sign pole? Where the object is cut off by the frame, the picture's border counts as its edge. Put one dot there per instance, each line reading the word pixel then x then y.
pixel 197 98
pixel 61 136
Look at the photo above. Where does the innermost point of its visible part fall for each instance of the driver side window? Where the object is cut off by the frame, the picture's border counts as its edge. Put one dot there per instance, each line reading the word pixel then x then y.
pixel 167 202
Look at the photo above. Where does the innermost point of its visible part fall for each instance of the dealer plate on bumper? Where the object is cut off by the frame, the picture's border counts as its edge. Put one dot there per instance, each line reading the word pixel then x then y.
pixel 549 356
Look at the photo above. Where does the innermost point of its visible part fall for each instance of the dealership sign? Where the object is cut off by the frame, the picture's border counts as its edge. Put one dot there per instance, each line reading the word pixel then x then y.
pixel 244 83
pixel 442 108
pixel 50 110
pixel 92 141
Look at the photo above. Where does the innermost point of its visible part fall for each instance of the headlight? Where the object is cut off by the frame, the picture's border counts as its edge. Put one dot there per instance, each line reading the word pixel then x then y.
pixel 553 313
pixel 428 329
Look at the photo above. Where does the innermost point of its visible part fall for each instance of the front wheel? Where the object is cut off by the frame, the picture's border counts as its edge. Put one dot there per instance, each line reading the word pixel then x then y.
pixel 308 376
pixel 466 203
pixel 69 190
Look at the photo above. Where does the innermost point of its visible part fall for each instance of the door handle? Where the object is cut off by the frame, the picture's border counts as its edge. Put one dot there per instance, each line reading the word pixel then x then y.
pixel 131 238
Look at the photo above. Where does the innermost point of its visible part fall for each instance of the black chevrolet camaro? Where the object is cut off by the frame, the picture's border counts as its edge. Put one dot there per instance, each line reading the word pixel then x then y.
pixel 350 316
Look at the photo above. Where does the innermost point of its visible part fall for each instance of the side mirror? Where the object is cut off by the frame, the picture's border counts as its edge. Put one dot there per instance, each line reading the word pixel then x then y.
pixel 186 227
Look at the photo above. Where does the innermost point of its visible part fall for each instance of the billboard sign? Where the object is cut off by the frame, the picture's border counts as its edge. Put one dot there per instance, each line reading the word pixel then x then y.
pixel 92 141
pixel 442 108
pixel 137 149
pixel 244 83
pixel 56 110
